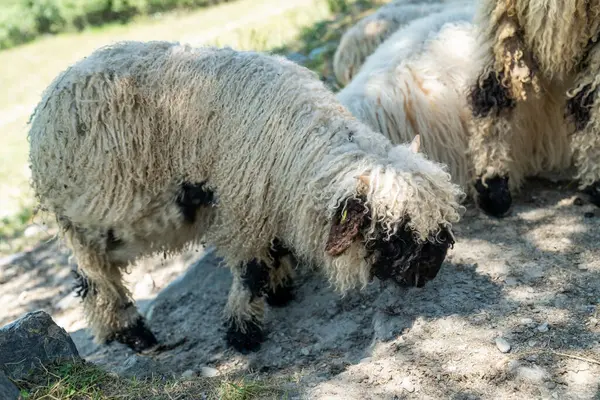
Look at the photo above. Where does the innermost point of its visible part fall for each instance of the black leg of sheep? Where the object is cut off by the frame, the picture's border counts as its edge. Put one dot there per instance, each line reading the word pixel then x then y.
pixel 255 283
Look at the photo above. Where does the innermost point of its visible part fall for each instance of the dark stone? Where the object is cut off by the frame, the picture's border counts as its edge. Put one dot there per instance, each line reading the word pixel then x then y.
pixel 8 390
pixel 494 200
pixel 32 341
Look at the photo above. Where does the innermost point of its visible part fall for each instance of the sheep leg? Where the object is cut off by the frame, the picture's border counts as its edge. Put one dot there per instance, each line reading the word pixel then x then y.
pixel 507 78
pixel 583 111
pixel 109 309
pixel 108 306
pixel 245 306
pixel 280 289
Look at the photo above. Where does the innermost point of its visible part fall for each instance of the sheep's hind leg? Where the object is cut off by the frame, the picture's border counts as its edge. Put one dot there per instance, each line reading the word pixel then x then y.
pixel 281 286
pixel 108 306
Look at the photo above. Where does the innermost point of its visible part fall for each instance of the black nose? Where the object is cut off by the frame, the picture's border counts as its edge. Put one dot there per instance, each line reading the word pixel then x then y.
pixel 495 199
pixel 428 263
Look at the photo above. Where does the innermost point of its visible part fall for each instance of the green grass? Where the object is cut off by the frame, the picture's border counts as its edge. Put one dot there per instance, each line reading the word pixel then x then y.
pixel 83 381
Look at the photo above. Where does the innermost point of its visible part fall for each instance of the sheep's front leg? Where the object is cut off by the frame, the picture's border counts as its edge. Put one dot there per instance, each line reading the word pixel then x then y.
pixel 108 306
pixel 245 306
pixel 583 111
pixel 507 77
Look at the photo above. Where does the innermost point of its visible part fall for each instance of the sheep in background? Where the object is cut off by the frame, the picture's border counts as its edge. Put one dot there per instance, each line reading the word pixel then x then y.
pixel 415 84
pixel 368 33
pixel 533 96
pixel 148 147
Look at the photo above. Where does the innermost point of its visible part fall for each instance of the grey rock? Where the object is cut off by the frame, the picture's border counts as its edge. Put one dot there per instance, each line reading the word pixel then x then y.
pixel 543 327
pixel 188 374
pixel 502 345
pixel 8 390
pixel 209 372
pixel 31 341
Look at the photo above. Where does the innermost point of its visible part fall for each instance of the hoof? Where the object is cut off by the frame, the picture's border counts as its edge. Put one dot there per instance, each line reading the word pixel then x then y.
pixel 137 336
pixel 594 192
pixel 282 296
pixel 244 342
pixel 495 199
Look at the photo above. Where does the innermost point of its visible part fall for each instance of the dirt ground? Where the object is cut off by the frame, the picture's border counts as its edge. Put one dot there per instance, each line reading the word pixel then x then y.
pixel 530 281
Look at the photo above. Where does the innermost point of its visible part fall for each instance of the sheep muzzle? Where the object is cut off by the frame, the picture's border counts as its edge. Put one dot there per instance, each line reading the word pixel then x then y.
pixel 409 262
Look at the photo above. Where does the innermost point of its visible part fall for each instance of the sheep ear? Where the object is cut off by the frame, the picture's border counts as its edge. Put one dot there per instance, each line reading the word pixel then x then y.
pixel 345 227
pixel 415 145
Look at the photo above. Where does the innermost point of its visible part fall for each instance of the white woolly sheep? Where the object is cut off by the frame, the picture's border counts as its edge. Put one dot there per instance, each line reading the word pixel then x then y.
pixel 415 83
pixel 471 120
pixel 148 147
pixel 368 33
pixel 534 96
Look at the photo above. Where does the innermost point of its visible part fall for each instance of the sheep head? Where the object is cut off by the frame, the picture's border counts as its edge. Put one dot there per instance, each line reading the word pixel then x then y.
pixel 400 256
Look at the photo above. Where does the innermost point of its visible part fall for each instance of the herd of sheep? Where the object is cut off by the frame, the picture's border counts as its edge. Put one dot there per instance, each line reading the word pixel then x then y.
pixel 148 147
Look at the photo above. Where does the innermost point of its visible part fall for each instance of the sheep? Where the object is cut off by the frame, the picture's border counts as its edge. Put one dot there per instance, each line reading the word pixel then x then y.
pixel 361 40
pixel 414 84
pixel 533 96
pixel 148 147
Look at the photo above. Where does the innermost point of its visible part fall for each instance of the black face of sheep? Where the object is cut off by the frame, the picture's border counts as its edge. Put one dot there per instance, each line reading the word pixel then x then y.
pixel 406 261
pixel 495 198
pixel 399 257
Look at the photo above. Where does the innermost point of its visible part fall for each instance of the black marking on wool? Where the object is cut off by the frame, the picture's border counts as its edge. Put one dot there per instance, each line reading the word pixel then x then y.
pixel 579 107
pixel 192 197
pixel 137 336
pixel 408 262
pixel 112 242
pixel 490 97
pixel 495 199
pixel 82 285
pixel 244 342
pixel 256 278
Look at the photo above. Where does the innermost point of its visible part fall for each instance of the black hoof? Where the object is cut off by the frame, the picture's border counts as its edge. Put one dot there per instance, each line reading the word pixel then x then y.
pixel 282 296
pixel 594 192
pixel 495 199
pixel 244 342
pixel 137 336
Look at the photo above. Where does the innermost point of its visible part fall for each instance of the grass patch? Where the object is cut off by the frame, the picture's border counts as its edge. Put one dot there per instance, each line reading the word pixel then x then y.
pixel 83 381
